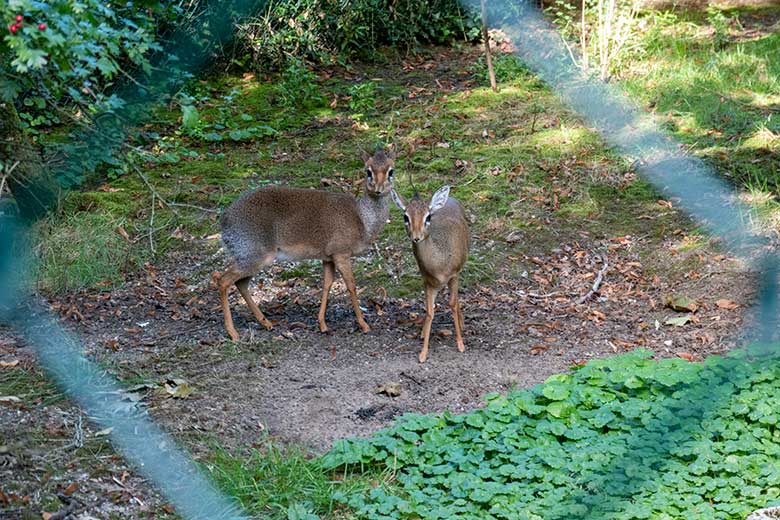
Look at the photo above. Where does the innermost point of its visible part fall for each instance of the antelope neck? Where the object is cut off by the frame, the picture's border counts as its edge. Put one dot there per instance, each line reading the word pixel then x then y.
pixel 374 211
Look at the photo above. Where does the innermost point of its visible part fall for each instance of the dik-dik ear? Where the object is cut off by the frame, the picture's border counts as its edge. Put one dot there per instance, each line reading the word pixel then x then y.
pixel 391 151
pixel 364 155
pixel 439 199
pixel 398 199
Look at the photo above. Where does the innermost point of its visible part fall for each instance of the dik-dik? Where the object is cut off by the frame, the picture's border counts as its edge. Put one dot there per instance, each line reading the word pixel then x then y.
pixel 440 242
pixel 287 224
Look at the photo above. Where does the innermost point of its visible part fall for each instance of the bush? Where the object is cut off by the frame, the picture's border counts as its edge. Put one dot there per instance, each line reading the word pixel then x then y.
pixel 324 30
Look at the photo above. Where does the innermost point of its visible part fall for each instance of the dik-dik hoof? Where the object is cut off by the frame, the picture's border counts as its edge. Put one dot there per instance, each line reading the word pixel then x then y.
pixel 364 327
pixel 324 328
pixel 267 324
pixel 461 347
pixel 233 335
pixel 423 356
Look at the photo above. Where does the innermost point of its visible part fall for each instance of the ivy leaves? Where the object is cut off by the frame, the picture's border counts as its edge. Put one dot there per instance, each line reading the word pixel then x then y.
pixel 622 438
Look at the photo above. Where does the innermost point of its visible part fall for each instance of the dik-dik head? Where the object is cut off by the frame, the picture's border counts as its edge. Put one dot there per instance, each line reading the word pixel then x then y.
pixel 379 169
pixel 418 212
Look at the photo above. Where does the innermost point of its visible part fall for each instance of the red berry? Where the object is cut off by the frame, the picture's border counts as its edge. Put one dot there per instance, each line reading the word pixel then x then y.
pixel 13 29
pixel 19 18
pixel 42 27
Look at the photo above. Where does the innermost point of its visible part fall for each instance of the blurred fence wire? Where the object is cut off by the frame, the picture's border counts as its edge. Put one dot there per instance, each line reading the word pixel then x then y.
pixel 635 135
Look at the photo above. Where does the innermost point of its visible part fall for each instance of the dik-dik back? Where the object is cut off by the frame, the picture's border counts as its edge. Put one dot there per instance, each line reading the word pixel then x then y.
pixel 293 224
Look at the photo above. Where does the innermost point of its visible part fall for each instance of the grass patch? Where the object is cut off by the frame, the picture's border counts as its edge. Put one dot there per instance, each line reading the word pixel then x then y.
pixel 716 85
pixel 84 250
pixel 286 483
pixel 29 385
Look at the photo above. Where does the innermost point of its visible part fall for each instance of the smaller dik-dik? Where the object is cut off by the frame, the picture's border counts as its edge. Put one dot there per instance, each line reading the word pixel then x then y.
pixel 282 224
pixel 440 242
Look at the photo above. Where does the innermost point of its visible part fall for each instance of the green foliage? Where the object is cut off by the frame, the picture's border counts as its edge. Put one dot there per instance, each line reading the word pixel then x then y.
pixel 621 438
pixel 363 97
pixel 507 67
pixel 720 24
pixel 323 30
pixel 74 57
pixel 298 87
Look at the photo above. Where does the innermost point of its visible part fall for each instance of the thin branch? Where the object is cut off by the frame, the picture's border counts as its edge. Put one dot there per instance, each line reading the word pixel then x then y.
pixel 486 37
pixel 6 174
pixel 151 227
pixel 596 283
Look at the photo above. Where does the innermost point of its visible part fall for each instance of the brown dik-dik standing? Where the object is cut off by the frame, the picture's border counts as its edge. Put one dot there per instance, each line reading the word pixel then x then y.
pixel 282 224
pixel 440 241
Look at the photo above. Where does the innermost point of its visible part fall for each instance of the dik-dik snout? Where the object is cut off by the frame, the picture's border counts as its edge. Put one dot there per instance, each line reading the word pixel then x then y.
pixel 417 218
pixel 379 171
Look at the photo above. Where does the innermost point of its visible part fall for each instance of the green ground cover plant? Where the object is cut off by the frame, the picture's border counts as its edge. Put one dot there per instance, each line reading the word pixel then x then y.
pixel 622 438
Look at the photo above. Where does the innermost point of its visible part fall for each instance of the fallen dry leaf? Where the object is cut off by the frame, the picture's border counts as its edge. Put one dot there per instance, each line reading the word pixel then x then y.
pixel 178 388
pixel 685 355
pixel 9 364
pixel 681 303
pixel 71 489
pixel 678 321
pixel 391 389
pixel 726 304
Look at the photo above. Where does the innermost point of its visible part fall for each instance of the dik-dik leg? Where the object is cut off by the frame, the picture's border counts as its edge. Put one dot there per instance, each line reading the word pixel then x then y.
pixel 328 273
pixel 240 277
pixel 430 305
pixel 344 265
pixel 457 317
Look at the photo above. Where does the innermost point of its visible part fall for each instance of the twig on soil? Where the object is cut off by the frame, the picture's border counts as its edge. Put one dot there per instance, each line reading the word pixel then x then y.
pixel 596 282
pixel 71 505
pixel 410 378
pixel 151 227
pixel 543 296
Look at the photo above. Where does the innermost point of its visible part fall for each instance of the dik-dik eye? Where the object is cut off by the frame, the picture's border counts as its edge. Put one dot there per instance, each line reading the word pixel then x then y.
pixel 390 173
pixel 427 219
pixel 406 219
pixel 369 173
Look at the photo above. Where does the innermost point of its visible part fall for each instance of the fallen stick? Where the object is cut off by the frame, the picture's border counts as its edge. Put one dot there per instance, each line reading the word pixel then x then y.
pixel 596 283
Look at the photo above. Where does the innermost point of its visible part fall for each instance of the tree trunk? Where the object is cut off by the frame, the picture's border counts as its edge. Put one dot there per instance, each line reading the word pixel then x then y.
pixel 486 38
pixel 35 190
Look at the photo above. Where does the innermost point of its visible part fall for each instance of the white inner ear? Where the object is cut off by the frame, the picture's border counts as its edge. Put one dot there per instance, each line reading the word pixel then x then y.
pixel 397 200
pixel 439 199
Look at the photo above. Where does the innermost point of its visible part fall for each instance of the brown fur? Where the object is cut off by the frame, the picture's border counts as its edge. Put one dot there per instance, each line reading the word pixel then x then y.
pixel 441 248
pixel 278 223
